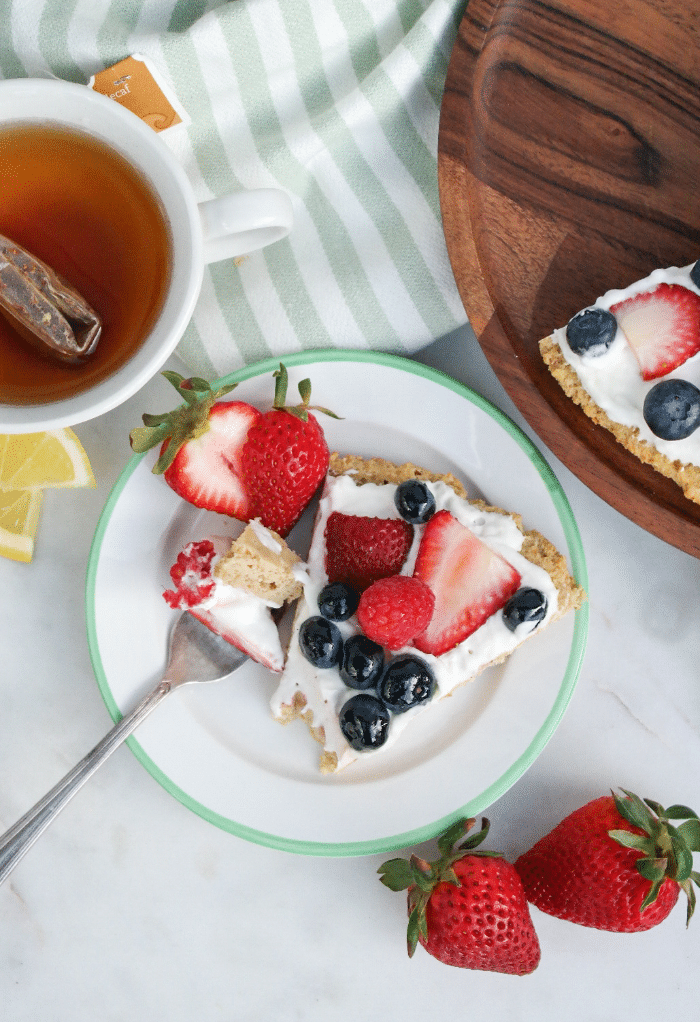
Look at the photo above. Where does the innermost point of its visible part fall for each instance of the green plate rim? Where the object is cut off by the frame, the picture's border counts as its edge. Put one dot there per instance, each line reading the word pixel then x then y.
pixel 499 787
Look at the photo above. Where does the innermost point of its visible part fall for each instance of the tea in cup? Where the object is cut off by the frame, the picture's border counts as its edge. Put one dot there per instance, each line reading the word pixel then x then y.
pixel 94 194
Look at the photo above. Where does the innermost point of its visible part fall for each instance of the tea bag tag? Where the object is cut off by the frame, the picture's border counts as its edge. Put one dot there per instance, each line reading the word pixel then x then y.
pixel 137 84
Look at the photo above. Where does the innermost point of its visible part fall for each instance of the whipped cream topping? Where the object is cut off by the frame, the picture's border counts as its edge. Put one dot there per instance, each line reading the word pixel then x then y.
pixel 242 617
pixel 613 379
pixel 324 690
pixel 265 536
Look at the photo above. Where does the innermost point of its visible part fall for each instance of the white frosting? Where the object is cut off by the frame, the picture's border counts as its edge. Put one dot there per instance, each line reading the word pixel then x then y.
pixel 614 380
pixel 324 690
pixel 265 536
pixel 243 617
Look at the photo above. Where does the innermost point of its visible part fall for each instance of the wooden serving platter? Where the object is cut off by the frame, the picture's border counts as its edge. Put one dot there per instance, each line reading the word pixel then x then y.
pixel 569 163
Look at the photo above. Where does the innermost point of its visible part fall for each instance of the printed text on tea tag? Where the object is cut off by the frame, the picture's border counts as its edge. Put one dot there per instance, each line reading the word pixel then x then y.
pixel 136 84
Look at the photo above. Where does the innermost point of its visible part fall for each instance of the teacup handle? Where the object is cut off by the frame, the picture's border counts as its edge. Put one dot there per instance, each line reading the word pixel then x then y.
pixel 242 222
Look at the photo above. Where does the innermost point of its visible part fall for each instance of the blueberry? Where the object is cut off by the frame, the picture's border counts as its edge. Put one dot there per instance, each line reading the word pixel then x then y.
pixel 363 661
pixel 414 502
pixel 695 274
pixel 364 720
pixel 527 605
pixel 338 601
pixel 406 682
pixel 320 641
pixel 591 332
pixel 672 409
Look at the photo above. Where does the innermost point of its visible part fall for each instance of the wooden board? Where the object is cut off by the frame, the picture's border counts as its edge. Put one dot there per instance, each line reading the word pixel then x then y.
pixel 569 163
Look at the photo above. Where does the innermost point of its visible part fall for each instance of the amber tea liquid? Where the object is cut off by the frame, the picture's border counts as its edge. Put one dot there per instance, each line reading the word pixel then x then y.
pixel 82 208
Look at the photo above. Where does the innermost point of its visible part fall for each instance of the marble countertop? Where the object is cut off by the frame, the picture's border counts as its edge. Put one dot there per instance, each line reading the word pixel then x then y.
pixel 131 907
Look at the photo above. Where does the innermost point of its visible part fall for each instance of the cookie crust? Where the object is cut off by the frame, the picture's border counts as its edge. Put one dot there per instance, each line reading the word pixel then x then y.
pixel 685 475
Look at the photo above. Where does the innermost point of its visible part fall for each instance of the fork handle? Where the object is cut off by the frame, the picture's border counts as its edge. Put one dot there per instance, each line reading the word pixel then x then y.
pixel 16 841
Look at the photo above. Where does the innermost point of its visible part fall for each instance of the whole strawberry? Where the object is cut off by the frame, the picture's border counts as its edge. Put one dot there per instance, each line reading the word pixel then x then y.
pixel 615 864
pixel 284 458
pixel 467 908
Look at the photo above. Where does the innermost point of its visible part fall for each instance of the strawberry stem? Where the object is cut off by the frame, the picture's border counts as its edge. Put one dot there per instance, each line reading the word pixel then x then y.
pixel 188 421
pixel 301 411
pixel 281 378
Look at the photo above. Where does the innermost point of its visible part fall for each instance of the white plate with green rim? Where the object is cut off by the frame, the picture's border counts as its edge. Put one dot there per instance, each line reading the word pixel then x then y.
pixel 217 748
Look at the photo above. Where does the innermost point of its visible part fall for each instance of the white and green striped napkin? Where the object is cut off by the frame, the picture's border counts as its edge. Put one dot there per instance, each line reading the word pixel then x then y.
pixel 337 102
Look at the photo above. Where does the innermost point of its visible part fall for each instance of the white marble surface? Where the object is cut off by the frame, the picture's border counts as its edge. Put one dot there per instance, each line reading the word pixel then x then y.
pixel 130 907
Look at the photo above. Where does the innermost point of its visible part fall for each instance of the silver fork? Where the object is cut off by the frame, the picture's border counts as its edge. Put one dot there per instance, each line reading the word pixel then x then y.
pixel 195 654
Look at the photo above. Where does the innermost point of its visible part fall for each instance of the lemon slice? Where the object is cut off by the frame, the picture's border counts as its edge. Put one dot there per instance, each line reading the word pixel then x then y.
pixel 35 460
pixel 19 517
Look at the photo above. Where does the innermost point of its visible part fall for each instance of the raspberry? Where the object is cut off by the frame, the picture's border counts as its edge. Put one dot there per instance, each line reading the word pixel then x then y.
pixel 394 610
pixel 191 575
pixel 360 550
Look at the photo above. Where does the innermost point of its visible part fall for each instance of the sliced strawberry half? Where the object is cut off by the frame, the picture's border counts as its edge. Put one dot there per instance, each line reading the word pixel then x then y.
pixel 207 471
pixel 200 445
pixel 360 550
pixel 470 582
pixel 662 327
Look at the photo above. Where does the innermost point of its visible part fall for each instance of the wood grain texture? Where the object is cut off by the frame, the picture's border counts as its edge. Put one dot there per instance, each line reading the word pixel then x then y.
pixel 569 163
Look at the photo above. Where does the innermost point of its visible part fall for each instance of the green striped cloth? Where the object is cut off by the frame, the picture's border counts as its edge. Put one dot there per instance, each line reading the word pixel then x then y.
pixel 335 101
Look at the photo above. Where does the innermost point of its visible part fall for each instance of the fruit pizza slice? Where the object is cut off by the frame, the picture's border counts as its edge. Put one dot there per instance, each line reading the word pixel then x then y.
pixel 411 591
pixel 237 588
pixel 632 362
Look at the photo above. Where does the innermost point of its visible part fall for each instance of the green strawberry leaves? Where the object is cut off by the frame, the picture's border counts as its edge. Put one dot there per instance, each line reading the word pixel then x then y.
pixel 420 877
pixel 689 832
pixel 629 840
pixel 417 928
pixel 667 850
pixel 398 874
pixel 187 422
pixel 679 813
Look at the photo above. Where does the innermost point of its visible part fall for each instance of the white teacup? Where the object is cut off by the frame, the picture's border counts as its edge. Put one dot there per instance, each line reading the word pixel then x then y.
pixel 200 233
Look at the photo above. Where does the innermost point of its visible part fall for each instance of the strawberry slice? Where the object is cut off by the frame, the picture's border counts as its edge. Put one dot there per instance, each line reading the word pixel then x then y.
pixel 224 621
pixel 470 581
pixel 207 470
pixel 662 327
pixel 360 550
